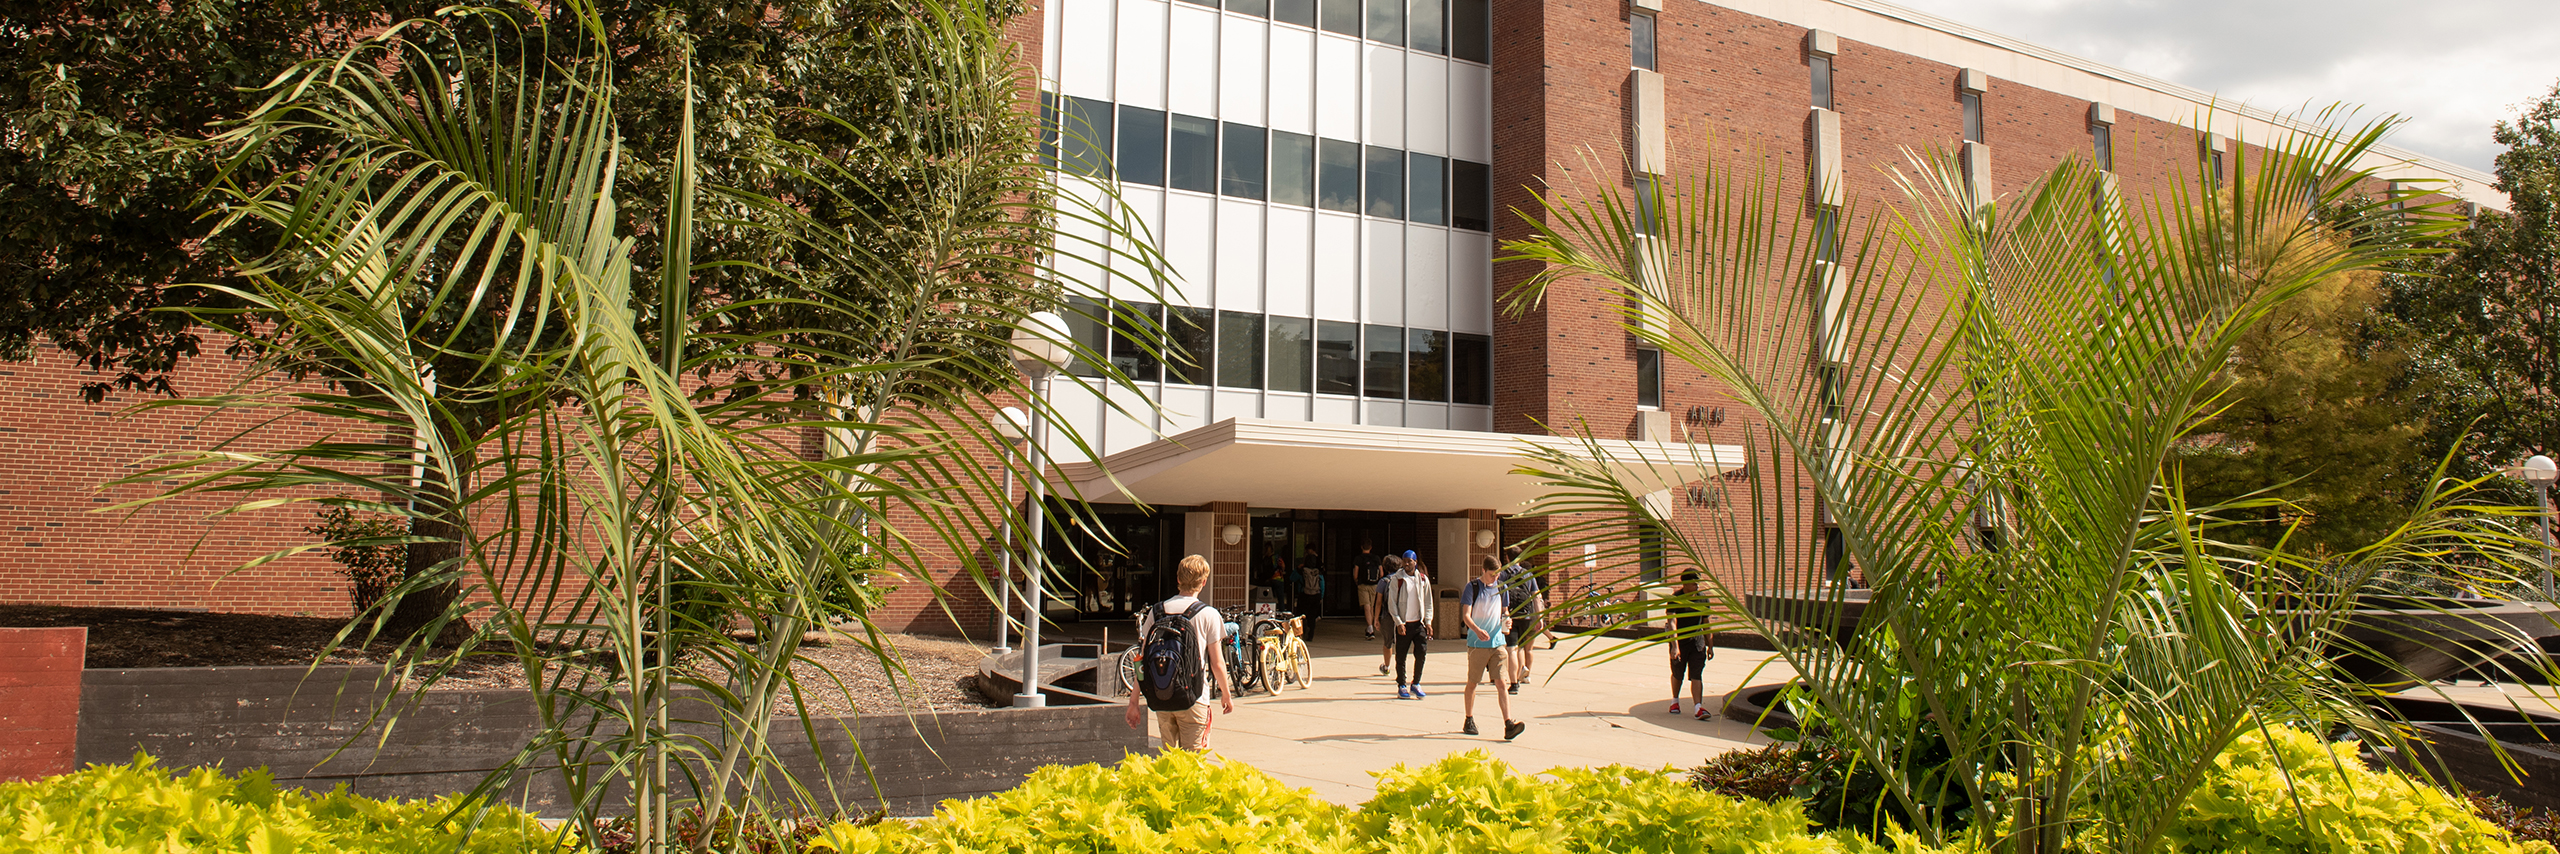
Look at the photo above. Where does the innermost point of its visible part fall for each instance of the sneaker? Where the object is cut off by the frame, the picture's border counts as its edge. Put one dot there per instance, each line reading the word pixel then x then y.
pixel 1417 692
pixel 1705 715
pixel 1470 728
pixel 1515 687
pixel 1512 729
pixel 1675 707
pixel 1382 670
pixel 1404 693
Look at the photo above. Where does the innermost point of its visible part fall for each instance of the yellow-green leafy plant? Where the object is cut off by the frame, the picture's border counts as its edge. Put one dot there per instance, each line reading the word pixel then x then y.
pixel 141 807
pixel 1468 802
pixel 1179 801
pixel 1471 802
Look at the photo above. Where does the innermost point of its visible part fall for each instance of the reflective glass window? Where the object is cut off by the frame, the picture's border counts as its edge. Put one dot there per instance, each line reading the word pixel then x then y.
pixel 1640 35
pixel 1292 359
pixel 1428 200
pixel 1089 325
pixel 1470 30
pixel 1299 12
pixel 1426 27
pixel 1141 158
pixel 1084 137
pixel 1338 175
pixel 1470 195
pixel 1386 183
pixel 1188 330
pixel 1240 170
pixel 1427 365
pixel 1192 163
pixel 1136 343
pixel 1337 357
pixel 1385 369
pixel 1239 349
pixel 1340 16
pixel 1386 21
pixel 1649 378
pixel 1293 168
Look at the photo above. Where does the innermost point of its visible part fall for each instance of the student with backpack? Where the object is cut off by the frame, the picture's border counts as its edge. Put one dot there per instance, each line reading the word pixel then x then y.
pixel 1365 574
pixel 1487 610
pixel 1528 604
pixel 1179 660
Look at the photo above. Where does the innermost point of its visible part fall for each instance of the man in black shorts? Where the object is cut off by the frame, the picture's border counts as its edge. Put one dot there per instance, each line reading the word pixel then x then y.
pixel 1689 649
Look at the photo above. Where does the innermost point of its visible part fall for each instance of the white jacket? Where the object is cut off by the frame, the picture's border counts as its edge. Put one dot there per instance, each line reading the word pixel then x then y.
pixel 1408 598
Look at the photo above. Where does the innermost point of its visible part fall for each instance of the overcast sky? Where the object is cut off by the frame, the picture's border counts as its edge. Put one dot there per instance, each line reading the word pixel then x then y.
pixel 2453 68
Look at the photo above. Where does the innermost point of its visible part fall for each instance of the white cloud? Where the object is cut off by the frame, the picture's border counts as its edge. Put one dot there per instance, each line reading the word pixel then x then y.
pixel 2452 68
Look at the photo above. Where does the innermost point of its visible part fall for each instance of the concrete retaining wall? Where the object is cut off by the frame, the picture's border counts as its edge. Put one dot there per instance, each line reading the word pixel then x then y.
pixel 292 719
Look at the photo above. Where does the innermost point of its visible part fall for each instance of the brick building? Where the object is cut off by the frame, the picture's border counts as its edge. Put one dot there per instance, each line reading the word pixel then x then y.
pixel 1332 180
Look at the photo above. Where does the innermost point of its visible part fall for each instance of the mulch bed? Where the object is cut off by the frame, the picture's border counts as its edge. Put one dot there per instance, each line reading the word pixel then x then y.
pixel 836 678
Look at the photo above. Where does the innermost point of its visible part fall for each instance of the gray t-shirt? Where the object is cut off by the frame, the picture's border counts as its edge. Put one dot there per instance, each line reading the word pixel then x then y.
pixel 1208 630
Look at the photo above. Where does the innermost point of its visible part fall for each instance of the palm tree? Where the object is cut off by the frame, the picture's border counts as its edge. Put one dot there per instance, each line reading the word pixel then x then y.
pixel 614 498
pixel 1980 394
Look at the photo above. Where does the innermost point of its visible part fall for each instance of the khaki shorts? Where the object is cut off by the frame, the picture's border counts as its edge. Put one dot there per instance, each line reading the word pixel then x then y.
pixel 1187 729
pixel 1492 661
pixel 1368 599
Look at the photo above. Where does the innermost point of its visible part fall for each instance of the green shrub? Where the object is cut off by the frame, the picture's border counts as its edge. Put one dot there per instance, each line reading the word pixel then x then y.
pixel 1174 802
pixel 140 807
pixel 1766 773
pixel 2528 824
pixel 2244 804
pixel 2334 805
pixel 1470 802
pixel 1465 803
pixel 372 568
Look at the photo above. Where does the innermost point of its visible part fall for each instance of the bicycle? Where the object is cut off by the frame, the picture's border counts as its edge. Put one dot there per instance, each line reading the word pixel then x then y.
pixel 1600 614
pixel 1285 657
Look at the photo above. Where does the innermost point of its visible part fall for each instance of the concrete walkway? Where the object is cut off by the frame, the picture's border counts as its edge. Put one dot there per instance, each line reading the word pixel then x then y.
pixel 1585 713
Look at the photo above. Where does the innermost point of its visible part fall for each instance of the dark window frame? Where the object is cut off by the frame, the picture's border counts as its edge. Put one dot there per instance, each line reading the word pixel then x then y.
pixel 1643 41
pixel 1821 67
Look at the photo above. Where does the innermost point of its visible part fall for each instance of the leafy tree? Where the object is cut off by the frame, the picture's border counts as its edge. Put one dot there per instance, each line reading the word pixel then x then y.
pixel 2308 412
pixel 2484 316
pixel 819 104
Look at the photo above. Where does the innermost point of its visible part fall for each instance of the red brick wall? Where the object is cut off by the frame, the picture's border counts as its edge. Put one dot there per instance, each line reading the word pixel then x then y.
pixel 39 701
pixel 67 545
pixel 1737 91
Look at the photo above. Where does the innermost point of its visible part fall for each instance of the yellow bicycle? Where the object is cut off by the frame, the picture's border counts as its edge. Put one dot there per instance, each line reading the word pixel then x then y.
pixel 1285 658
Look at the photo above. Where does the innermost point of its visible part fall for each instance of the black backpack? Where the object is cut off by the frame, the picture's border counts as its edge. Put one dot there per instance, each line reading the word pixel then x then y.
pixel 1170 668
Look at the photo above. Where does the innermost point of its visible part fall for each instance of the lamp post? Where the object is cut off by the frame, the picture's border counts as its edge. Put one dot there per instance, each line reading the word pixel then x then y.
pixel 2540 471
pixel 1039 350
pixel 1009 424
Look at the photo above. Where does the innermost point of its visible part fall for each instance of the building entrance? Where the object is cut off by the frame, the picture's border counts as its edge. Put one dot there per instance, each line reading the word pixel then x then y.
pixel 1303 561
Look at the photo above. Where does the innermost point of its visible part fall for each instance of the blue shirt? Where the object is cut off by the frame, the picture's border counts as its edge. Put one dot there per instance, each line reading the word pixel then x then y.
pixel 1488 607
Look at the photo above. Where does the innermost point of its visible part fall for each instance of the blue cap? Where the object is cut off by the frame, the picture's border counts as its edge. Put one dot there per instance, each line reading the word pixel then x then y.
pixel 1409 555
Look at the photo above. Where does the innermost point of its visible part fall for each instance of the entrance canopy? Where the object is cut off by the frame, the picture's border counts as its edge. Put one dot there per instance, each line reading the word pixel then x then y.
pixel 1304 465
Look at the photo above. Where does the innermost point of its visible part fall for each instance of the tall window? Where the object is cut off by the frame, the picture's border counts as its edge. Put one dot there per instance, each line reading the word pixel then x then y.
pixel 1337 357
pixel 1292 365
pixel 1640 32
pixel 1240 173
pixel 1239 349
pixel 1386 21
pixel 2102 140
pixel 1972 102
pixel 1822 81
pixel 1385 362
pixel 1293 168
pixel 1428 26
pixel 1826 235
pixel 1089 324
pixel 1084 136
pixel 1648 378
pixel 1141 159
pixel 1429 199
pixel 1132 327
pixel 1340 16
pixel 1471 369
pixel 1386 183
pixel 1427 368
pixel 1192 161
pixel 2216 157
pixel 1338 175
pixel 1470 195
pixel 1647 204
pixel 1299 12
pixel 1189 332
pixel 1470 30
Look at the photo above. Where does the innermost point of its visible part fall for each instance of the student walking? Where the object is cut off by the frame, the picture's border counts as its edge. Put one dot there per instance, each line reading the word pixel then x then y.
pixel 1689 649
pixel 1528 610
pixel 1311 586
pixel 1179 661
pixel 1487 612
pixel 1365 574
pixel 1378 614
pixel 1408 599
